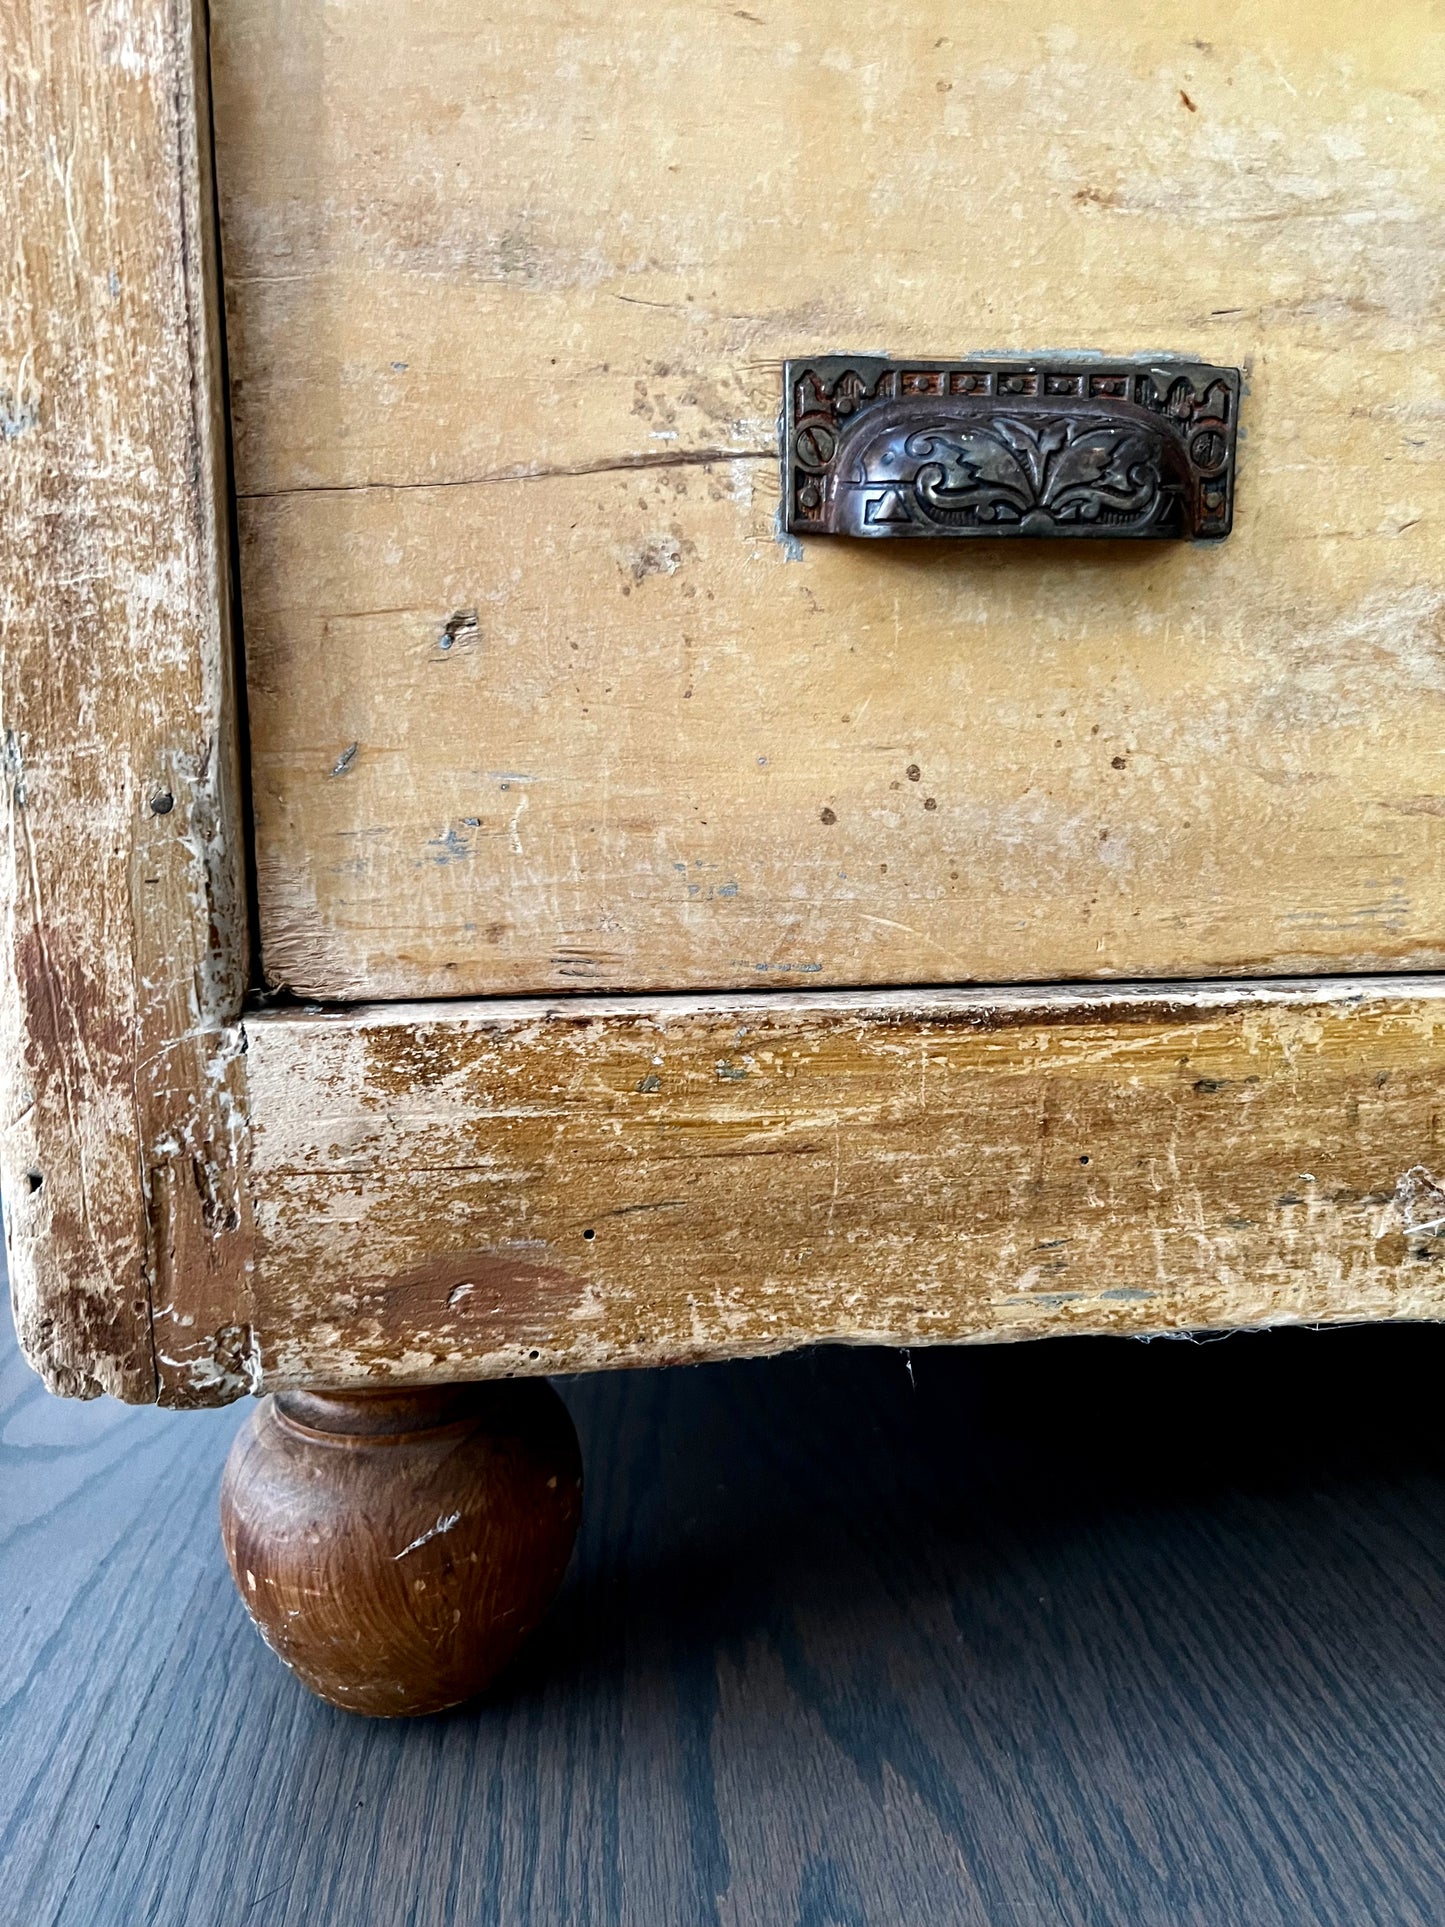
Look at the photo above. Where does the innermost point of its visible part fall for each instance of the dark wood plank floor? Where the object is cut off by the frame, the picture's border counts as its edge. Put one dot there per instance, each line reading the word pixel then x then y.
pixel 1092 1632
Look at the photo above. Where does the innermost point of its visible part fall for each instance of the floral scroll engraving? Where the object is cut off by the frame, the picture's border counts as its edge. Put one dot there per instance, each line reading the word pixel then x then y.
pixel 1064 468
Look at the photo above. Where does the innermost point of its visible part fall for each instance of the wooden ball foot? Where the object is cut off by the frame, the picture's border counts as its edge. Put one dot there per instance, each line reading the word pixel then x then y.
pixel 396 1548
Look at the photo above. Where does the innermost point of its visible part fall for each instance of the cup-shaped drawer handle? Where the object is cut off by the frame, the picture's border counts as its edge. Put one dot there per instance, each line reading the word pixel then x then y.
pixel 1004 448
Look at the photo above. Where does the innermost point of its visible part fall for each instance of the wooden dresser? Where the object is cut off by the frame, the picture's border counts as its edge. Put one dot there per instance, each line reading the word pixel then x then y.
pixel 501 880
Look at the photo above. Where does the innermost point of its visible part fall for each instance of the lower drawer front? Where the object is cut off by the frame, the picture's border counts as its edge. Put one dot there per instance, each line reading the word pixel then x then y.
pixel 481 1190
pixel 540 696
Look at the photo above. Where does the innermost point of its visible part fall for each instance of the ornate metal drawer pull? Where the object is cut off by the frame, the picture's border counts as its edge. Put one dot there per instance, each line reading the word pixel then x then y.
pixel 989 448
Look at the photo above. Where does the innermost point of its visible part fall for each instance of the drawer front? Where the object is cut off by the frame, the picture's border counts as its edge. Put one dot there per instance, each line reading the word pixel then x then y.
pixel 542 697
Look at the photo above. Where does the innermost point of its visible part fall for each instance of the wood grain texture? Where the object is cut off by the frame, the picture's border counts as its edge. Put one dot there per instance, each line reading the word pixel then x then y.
pixel 123 950
pixel 541 701
pixel 478 1191
pixel 1042 1636
pixel 396 1548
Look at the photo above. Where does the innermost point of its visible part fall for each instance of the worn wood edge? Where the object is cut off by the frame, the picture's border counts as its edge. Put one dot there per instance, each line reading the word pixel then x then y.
pixel 370 1119
pixel 123 954
pixel 1114 1002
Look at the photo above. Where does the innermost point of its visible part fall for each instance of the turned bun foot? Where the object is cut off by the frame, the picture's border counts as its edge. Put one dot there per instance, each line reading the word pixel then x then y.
pixel 396 1548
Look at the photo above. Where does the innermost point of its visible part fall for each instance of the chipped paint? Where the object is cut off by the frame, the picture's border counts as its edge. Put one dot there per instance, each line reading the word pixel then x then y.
pixel 124 950
pixel 455 1191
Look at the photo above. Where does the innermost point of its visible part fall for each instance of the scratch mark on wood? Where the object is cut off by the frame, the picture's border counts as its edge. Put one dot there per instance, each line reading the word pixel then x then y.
pixel 443 1524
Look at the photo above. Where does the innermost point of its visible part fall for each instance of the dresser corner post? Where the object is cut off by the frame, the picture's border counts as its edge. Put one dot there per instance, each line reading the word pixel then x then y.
pixel 395 1548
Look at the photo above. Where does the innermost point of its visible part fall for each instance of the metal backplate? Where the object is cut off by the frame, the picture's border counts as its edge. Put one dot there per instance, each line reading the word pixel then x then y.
pixel 1050 447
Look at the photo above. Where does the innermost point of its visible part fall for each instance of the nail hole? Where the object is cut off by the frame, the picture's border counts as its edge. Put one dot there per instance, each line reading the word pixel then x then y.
pixel 589 1234
pixel 34 1179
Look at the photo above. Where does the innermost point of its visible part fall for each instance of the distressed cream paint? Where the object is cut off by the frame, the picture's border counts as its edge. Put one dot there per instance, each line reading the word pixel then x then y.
pixel 123 945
